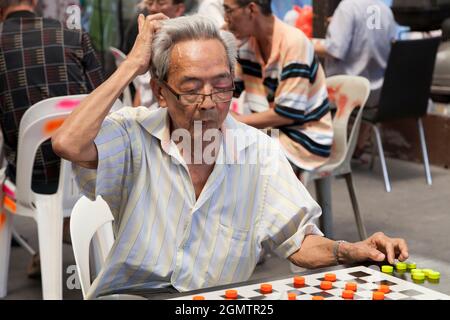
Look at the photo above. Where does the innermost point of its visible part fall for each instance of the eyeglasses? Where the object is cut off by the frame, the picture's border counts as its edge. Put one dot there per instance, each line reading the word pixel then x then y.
pixel 228 11
pixel 197 99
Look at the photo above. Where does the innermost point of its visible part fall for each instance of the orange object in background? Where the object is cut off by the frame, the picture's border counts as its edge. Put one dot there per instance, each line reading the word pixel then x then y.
pixel 305 20
pixel 2 219
pixel 9 204
pixel 318 298
pixel 198 298
pixel 53 125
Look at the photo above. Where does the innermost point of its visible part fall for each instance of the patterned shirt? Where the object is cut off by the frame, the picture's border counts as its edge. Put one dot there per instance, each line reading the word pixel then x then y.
pixel 165 237
pixel 293 83
pixel 40 59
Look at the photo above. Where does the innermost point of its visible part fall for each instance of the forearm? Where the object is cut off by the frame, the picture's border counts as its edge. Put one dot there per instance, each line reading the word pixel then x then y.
pixel 262 120
pixel 317 252
pixel 79 130
pixel 320 49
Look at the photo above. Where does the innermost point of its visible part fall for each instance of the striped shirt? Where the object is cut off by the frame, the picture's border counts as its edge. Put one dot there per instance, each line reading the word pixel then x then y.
pixel 165 237
pixel 293 83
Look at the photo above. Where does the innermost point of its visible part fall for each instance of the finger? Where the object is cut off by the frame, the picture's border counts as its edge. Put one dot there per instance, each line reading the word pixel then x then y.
pixel 375 255
pixel 157 16
pixel 388 246
pixel 141 21
pixel 402 249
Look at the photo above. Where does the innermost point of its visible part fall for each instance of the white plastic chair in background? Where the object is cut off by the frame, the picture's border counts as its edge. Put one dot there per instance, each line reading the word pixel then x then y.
pixel 120 57
pixel 90 220
pixel 347 93
pixel 37 125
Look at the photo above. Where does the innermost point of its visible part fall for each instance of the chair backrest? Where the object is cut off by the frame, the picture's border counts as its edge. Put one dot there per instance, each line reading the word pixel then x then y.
pixel 408 79
pixel 347 93
pixel 120 57
pixel 37 125
pixel 89 219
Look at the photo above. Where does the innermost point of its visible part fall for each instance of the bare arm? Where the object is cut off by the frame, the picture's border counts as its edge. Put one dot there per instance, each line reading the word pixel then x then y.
pixel 74 140
pixel 266 119
pixel 317 252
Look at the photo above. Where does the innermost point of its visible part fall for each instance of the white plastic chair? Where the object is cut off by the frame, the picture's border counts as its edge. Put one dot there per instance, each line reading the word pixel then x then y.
pixel 36 126
pixel 347 93
pixel 120 57
pixel 90 220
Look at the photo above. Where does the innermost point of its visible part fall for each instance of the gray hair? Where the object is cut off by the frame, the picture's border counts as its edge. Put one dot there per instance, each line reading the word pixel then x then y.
pixel 187 28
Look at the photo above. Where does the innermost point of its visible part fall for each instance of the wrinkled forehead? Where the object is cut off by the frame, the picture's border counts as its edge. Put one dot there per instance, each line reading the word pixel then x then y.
pixel 202 59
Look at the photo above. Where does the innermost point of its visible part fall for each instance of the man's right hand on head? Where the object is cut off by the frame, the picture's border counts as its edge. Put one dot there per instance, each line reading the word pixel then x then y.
pixel 141 54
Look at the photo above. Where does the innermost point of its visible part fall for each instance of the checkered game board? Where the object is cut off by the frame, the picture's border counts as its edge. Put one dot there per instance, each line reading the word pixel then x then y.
pixel 368 281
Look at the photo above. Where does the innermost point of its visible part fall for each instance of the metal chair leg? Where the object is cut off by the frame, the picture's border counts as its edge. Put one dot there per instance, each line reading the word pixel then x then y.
pixel 387 183
pixel 424 151
pixel 359 221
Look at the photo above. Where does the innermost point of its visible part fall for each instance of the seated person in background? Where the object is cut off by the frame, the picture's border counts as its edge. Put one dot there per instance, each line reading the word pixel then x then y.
pixel 187 219
pixel 39 58
pixel 170 8
pixel 358 43
pixel 283 81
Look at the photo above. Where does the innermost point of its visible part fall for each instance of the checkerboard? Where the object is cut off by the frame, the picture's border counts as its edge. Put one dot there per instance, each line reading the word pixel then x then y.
pixel 368 281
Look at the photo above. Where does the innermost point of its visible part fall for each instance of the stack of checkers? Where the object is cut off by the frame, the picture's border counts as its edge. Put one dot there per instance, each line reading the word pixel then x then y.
pixel 416 274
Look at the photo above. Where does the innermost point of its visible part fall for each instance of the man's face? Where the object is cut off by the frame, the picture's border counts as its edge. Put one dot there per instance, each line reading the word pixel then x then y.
pixel 199 66
pixel 166 7
pixel 237 19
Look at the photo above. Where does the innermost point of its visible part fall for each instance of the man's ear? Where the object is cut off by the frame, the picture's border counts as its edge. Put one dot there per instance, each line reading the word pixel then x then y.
pixel 181 9
pixel 157 92
pixel 254 8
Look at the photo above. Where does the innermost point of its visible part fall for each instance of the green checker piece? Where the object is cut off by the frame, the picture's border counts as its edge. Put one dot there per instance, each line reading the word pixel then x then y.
pixel 401 266
pixel 411 265
pixel 387 269
pixel 427 271
pixel 418 276
pixel 434 275
pixel 416 270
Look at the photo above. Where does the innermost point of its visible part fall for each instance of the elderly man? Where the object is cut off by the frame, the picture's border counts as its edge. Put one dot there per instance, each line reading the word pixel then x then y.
pixel 187 219
pixel 283 81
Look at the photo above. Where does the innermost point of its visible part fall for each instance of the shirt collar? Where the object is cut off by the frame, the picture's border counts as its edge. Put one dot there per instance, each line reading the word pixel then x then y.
pixel 236 136
pixel 21 14
pixel 277 37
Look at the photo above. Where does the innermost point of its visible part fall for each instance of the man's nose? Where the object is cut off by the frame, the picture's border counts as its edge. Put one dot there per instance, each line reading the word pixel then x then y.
pixel 208 103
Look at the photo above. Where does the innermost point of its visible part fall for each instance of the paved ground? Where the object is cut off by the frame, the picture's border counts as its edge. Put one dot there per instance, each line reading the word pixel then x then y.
pixel 413 210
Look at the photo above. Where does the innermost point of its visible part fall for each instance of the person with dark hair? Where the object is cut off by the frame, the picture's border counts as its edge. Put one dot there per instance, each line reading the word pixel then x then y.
pixel 283 81
pixel 39 59
pixel 170 8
